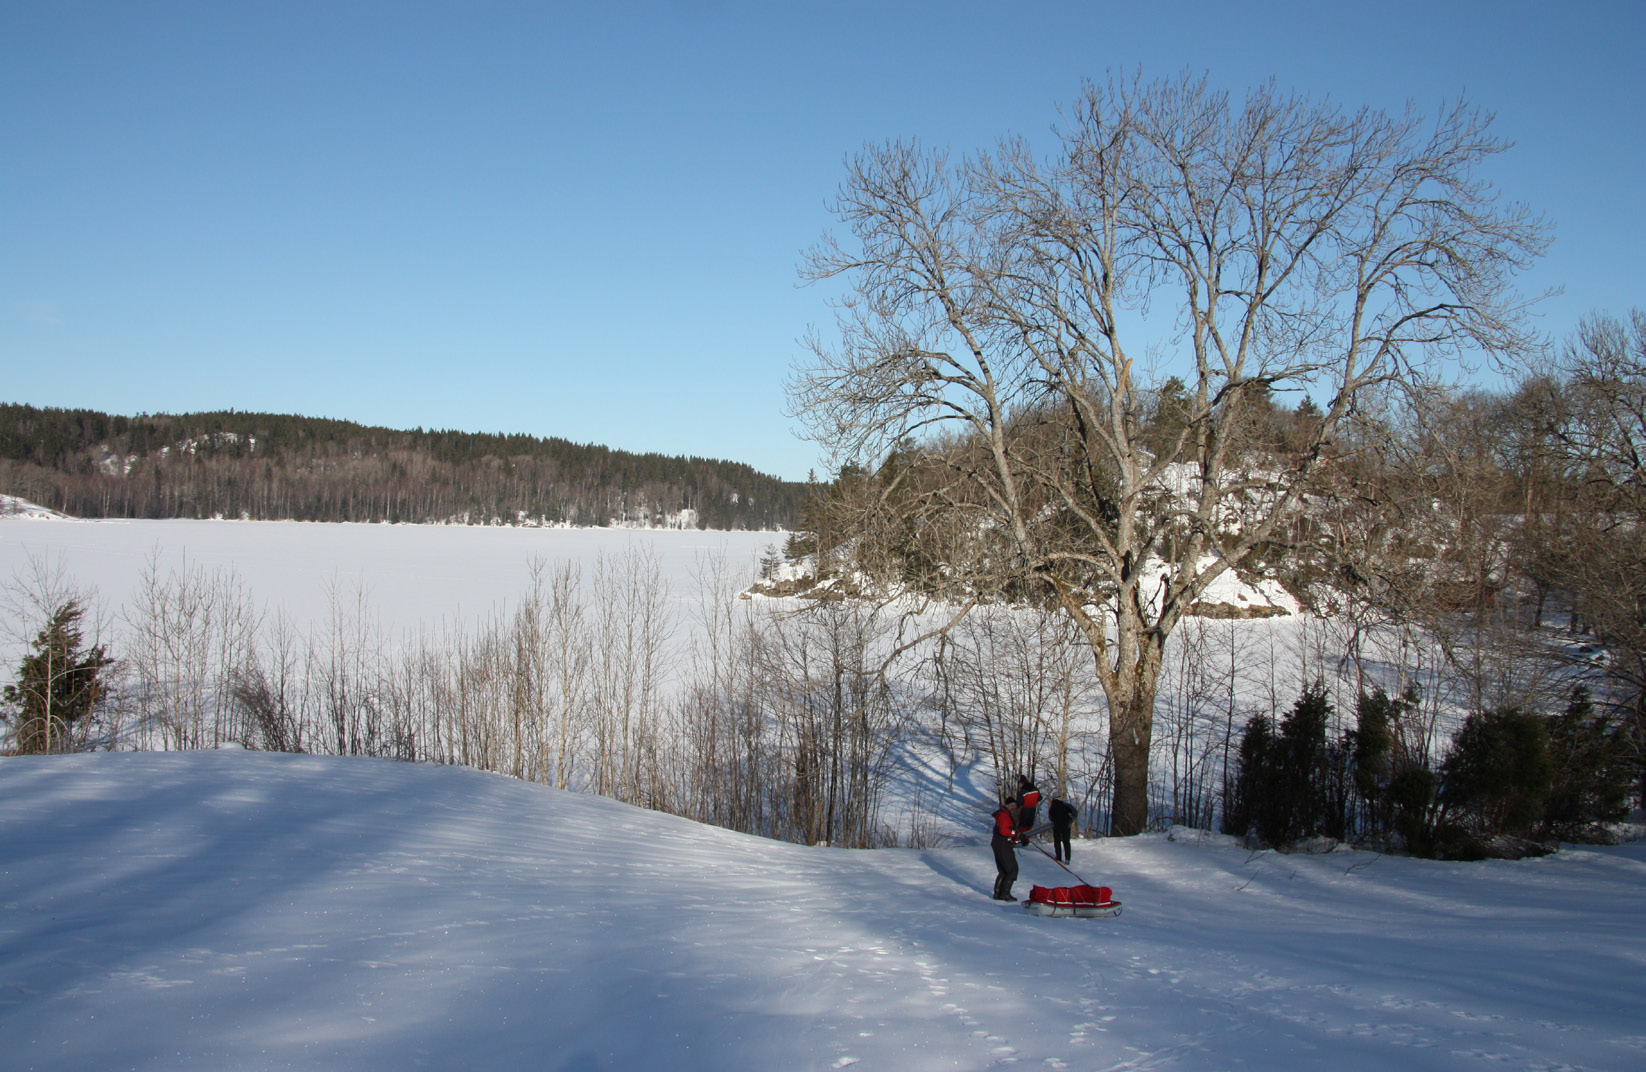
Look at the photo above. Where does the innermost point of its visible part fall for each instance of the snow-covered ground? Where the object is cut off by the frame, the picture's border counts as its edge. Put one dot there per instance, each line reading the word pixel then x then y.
pixel 235 910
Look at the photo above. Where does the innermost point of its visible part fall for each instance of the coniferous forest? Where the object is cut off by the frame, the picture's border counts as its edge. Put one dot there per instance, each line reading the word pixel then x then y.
pixel 265 466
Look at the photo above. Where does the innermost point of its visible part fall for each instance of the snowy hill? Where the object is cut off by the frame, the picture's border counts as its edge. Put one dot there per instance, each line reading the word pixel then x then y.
pixel 217 910
pixel 12 506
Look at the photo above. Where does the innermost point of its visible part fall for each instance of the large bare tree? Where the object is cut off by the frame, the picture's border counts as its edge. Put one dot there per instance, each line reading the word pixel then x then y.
pixel 1014 318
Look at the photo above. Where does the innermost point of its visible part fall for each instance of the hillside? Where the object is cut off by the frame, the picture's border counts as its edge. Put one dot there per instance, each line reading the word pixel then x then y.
pixel 249 911
pixel 278 467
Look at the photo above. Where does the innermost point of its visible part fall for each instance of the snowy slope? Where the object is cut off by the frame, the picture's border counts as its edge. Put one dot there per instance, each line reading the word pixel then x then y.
pixel 12 506
pixel 233 910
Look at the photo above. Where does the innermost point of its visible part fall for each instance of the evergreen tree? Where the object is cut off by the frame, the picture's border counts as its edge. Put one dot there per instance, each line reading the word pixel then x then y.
pixel 1383 775
pixel 1373 739
pixel 1411 796
pixel 1301 774
pixel 1284 784
pixel 1591 769
pixel 59 683
pixel 1243 812
pixel 1497 775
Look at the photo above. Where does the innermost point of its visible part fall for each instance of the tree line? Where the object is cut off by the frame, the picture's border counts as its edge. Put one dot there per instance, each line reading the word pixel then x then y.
pixel 277 467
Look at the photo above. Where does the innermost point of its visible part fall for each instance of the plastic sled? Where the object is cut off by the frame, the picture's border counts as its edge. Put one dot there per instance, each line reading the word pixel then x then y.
pixel 1084 902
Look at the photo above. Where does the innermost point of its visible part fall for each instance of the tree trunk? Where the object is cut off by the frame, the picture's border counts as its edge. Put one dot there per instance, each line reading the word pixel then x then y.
pixel 1131 732
pixel 1130 690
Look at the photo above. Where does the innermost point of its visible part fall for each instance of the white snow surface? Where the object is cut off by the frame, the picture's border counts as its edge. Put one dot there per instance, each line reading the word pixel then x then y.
pixel 239 910
pixel 413 576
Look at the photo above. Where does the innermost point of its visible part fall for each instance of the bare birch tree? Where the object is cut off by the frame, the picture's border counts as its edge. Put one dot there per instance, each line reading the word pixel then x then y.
pixel 191 634
pixel 632 627
pixel 999 312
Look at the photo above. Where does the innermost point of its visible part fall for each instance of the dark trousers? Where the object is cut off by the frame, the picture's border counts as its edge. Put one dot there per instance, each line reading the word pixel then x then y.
pixel 1060 843
pixel 1005 862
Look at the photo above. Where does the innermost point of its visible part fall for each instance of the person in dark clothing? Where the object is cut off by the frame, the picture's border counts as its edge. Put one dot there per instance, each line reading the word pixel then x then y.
pixel 1062 814
pixel 1005 857
pixel 1028 798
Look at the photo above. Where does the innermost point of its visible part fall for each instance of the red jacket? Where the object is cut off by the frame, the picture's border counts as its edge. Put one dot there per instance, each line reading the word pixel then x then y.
pixel 1005 822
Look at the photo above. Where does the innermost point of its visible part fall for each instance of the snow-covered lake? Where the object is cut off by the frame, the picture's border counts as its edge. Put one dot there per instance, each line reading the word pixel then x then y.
pixel 411 575
pixel 234 910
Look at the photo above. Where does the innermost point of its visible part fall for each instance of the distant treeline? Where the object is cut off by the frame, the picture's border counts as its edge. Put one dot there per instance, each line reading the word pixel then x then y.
pixel 276 467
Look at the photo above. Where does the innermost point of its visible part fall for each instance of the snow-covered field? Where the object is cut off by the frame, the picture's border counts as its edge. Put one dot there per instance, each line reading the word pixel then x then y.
pixel 234 910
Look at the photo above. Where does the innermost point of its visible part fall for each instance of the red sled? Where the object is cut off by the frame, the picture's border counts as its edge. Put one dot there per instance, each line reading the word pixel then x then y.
pixel 1086 902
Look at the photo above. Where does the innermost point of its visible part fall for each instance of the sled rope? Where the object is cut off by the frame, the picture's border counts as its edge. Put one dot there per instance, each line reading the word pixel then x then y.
pixel 1058 862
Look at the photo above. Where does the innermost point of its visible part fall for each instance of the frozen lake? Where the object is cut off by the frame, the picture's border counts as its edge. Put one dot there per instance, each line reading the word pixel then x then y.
pixel 412 575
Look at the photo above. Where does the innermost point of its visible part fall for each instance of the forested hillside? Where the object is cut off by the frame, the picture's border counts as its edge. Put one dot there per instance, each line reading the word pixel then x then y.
pixel 272 466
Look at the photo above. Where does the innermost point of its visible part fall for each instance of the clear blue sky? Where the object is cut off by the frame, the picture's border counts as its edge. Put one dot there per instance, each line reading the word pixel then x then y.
pixel 584 220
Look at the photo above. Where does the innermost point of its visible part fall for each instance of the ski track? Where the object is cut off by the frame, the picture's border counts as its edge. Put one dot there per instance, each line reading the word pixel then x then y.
pixel 249 911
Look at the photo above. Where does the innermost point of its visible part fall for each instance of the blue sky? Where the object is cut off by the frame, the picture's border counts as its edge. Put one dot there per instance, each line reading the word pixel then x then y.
pixel 584 220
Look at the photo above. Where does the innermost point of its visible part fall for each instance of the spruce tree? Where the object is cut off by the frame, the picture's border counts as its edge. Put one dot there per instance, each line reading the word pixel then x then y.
pixel 59 683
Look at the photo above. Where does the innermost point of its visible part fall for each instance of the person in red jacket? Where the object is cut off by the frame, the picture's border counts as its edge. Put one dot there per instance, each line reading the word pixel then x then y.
pixel 1028 798
pixel 1004 836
